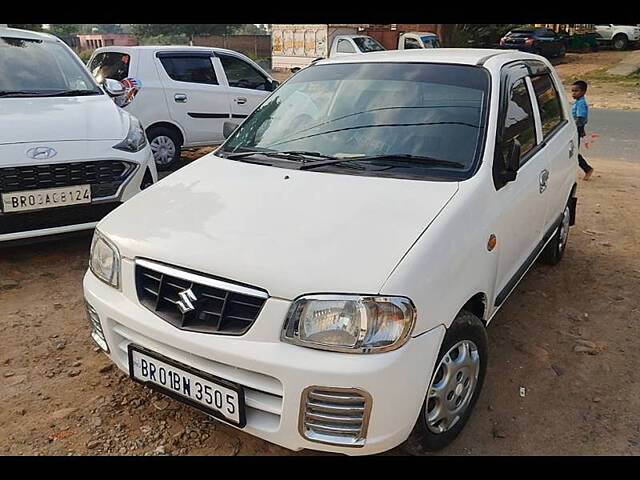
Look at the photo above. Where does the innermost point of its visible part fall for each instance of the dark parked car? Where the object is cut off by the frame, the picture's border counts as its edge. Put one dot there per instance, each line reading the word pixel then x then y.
pixel 540 41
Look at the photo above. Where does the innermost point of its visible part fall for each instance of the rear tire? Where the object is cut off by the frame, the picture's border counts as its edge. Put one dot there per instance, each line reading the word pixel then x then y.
pixel 554 251
pixel 454 387
pixel 165 145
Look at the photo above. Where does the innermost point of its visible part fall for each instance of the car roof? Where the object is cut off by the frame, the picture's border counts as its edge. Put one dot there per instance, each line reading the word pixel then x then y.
pixel 27 34
pixel 181 48
pixel 462 56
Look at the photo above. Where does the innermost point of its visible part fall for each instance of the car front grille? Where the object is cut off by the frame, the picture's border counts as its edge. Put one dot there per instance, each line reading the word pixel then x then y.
pixel 54 217
pixel 104 176
pixel 191 301
pixel 338 416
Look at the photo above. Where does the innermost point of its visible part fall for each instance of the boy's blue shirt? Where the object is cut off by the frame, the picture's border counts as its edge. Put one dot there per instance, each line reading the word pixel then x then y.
pixel 580 109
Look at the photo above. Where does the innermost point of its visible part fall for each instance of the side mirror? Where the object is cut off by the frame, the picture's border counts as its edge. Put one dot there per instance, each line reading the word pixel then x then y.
pixel 274 84
pixel 513 162
pixel 113 87
pixel 228 128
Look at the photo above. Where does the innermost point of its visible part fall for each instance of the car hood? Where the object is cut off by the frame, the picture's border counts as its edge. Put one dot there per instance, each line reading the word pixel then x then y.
pixel 290 232
pixel 55 119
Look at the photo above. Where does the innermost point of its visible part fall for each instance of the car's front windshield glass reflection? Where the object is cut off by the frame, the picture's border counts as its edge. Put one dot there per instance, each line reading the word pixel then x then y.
pixel 373 109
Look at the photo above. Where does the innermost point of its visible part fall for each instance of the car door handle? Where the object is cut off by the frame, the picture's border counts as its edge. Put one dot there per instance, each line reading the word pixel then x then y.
pixel 241 100
pixel 544 178
pixel 571 148
pixel 180 98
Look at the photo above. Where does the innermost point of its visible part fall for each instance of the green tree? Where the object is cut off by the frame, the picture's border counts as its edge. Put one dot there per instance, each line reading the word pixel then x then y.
pixel 26 26
pixel 188 29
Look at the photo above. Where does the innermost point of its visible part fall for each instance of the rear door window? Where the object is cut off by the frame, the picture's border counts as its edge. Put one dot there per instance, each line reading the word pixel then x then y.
pixel 242 75
pixel 192 69
pixel 345 46
pixel 113 65
pixel 518 121
pixel 548 102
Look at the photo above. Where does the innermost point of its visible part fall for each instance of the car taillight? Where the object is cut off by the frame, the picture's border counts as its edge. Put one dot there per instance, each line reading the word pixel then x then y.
pixel 530 41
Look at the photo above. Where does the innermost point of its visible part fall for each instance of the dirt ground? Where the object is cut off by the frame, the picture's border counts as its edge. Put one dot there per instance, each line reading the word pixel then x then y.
pixel 61 396
pixel 567 336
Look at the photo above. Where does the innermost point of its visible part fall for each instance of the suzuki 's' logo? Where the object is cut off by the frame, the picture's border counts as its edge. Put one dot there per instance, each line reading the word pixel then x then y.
pixel 187 298
pixel 41 153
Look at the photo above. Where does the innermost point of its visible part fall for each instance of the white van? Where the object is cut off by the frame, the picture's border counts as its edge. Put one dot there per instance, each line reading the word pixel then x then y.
pixel 185 93
pixel 68 154
pixel 325 279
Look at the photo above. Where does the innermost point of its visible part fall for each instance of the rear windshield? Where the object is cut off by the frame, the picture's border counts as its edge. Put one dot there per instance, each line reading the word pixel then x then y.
pixel 37 67
pixel 113 65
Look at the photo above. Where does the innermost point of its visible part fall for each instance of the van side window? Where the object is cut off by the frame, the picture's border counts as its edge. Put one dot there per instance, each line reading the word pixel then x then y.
pixel 548 102
pixel 242 75
pixel 196 69
pixel 519 123
pixel 113 65
pixel 411 43
pixel 344 46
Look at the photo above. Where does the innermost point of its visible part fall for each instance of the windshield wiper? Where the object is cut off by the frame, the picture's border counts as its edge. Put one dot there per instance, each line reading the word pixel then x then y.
pixel 414 160
pixel 73 93
pixel 288 155
pixel 19 93
pixel 45 93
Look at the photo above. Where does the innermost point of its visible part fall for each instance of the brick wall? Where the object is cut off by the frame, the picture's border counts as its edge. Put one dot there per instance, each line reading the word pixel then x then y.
pixel 254 46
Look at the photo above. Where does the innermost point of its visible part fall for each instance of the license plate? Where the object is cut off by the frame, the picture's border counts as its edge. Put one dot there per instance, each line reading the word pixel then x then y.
pixel 45 198
pixel 214 396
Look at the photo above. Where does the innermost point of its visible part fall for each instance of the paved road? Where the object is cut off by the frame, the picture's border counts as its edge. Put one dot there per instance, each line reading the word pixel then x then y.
pixel 619 132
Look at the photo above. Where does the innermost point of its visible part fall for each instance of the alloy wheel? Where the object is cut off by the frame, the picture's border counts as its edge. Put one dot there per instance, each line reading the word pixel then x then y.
pixel 452 386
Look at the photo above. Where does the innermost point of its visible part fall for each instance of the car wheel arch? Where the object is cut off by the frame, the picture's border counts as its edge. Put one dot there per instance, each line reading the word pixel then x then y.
pixel 168 125
pixel 477 305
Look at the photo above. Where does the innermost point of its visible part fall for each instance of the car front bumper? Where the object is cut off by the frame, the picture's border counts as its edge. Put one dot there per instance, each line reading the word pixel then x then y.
pixel 62 220
pixel 275 375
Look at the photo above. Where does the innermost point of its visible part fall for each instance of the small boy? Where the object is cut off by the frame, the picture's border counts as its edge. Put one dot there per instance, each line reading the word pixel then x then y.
pixel 580 111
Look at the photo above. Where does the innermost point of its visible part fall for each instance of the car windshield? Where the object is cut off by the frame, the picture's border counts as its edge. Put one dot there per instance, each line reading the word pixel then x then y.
pixel 41 68
pixel 368 44
pixel 521 33
pixel 434 112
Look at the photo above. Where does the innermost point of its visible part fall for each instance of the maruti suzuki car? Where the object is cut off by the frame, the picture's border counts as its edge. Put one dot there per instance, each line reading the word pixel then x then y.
pixel 68 154
pixel 324 280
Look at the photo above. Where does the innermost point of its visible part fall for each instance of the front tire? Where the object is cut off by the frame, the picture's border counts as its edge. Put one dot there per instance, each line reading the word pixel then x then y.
pixel 620 41
pixel 455 386
pixel 165 145
pixel 554 251
pixel 563 51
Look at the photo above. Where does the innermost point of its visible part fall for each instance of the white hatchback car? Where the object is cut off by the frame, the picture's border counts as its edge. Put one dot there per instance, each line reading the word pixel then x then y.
pixel 324 279
pixel 68 154
pixel 186 93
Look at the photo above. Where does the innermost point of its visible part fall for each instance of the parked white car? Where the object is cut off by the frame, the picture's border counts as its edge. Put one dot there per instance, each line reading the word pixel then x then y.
pixel 354 45
pixel 186 93
pixel 619 36
pixel 68 154
pixel 324 279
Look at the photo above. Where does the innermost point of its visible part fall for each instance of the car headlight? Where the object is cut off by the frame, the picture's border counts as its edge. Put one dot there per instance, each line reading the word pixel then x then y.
pixel 350 323
pixel 136 138
pixel 104 260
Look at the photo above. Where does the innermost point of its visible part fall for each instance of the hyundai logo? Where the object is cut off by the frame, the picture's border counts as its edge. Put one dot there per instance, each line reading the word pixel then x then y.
pixel 187 298
pixel 41 153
